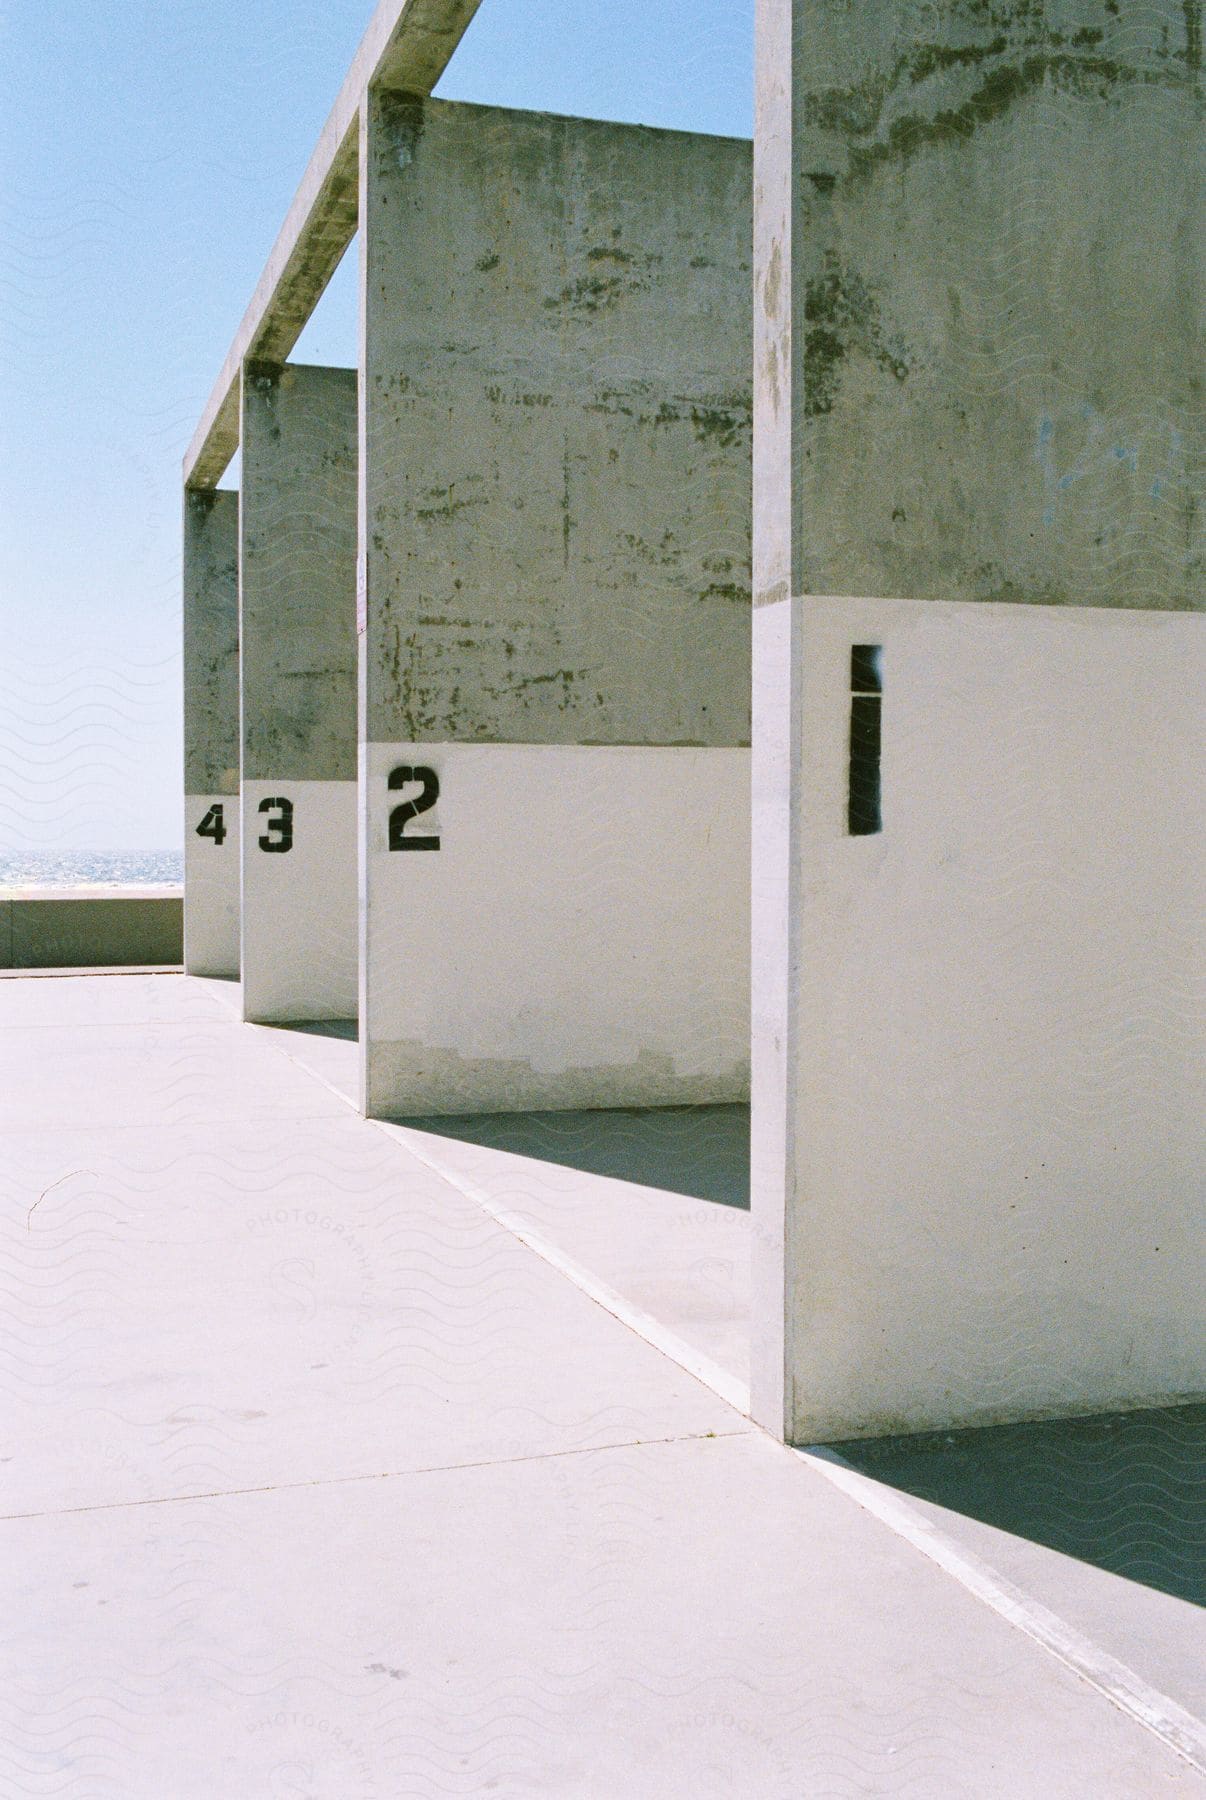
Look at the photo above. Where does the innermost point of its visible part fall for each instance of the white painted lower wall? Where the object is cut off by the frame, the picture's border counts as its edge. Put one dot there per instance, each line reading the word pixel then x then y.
pixel 211 885
pixel 580 937
pixel 996 1095
pixel 299 933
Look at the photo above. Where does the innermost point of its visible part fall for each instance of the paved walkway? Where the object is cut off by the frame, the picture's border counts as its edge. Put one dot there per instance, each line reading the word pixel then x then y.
pixel 319 1481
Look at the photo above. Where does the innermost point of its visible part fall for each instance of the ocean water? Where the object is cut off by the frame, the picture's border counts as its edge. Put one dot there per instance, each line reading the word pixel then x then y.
pixel 91 868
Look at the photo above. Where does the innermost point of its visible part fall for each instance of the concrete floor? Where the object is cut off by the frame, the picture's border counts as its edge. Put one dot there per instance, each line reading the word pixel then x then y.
pixel 647 1210
pixel 342 1460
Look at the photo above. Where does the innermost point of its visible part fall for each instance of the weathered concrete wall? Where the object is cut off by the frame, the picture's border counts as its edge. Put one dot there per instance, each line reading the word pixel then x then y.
pixel 297 572
pixel 84 929
pixel 298 679
pixel 996 296
pixel 557 409
pixel 977 380
pixel 211 732
pixel 555 493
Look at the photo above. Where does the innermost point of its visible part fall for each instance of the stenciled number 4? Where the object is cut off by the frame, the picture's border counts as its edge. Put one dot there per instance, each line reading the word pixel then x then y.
pixel 213 825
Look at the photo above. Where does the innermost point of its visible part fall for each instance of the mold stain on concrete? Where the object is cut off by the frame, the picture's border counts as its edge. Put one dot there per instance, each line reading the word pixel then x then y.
pixel 611 403
pixel 1029 54
pixel 499 396
pixel 446 506
pixel 771 283
pixel 842 316
pixel 721 426
pixel 592 293
pixel 403 124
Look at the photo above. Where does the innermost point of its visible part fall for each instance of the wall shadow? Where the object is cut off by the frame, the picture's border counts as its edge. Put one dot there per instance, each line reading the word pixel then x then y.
pixel 1124 1491
pixel 702 1151
pixel 348 1029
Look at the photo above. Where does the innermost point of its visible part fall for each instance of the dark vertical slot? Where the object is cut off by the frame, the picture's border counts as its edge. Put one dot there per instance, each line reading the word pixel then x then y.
pixel 864 815
pixel 866 661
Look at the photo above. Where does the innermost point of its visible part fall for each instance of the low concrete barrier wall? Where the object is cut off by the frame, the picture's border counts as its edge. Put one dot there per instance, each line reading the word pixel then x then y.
pixel 80 928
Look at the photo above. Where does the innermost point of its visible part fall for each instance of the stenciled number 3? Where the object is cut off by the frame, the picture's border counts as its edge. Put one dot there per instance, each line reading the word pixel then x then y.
pixel 278 831
pixel 401 815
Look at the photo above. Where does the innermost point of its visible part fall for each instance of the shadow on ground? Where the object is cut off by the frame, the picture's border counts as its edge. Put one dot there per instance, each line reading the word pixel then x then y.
pixel 1124 1491
pixel 698 1150
pixel 701 1151
pixel 334 1028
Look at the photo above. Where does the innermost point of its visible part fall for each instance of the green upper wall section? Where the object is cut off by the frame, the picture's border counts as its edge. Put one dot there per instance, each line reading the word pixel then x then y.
pixel 211 641
pixel 556 365
pixel 297 576
pixel 996 298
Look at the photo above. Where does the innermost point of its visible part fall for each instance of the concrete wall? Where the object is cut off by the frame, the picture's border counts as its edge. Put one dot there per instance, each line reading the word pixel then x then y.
pixel 1000 1081
pixel 298 692
pixel 555 553
pixel 86 929
pixel 580 936
pixel 211 732
pixel 977 363
pixel 997 285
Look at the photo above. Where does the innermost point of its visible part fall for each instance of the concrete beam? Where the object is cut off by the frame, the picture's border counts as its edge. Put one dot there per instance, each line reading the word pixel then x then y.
pixel 408 45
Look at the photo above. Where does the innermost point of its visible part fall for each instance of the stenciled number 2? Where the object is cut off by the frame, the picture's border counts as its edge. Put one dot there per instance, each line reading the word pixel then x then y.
pixel 401 815
pixel 278 831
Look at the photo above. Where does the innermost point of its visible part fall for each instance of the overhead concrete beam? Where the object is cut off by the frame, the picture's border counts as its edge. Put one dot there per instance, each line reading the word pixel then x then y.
pixel 408 45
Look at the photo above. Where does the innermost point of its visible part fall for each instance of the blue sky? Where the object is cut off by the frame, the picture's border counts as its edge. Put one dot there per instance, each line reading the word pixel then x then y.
pixel 148 153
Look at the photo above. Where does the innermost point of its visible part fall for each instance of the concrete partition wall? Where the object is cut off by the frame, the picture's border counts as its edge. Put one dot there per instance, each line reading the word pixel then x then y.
pixel 297 605
pixel 977 793
pixel 211 732
pixel 999 1089
pixel 554 607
